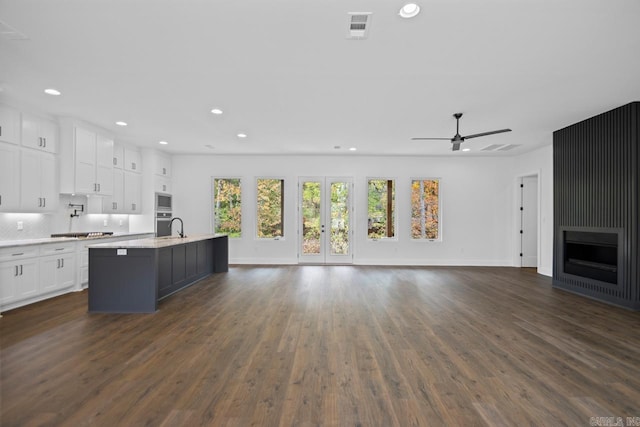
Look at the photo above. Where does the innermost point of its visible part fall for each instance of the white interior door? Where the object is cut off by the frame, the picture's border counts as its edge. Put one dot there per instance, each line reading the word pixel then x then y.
pixel 529 224
pixel 325 220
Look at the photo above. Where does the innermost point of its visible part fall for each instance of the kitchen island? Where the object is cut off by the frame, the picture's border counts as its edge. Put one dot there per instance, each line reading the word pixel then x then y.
pixel 132 276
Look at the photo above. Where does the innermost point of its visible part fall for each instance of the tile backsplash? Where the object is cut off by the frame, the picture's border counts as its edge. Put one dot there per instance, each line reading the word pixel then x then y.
pixel 36 226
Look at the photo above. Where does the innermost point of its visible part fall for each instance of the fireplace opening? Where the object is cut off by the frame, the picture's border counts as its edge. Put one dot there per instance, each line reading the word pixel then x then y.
pixel 592 255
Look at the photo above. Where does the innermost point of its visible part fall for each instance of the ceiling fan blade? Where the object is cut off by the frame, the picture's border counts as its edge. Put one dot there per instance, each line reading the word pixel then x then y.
pixel 456 146
pixel 475 135
pixel 439 139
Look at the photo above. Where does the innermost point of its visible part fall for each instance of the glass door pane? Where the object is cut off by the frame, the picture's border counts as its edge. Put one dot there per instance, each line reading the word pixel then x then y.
pixel 339 236
pixel 311 194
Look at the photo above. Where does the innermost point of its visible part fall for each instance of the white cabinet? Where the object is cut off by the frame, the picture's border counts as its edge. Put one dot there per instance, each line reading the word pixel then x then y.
pixel 132 192
pixel 93 163
pixel 162 185
pixel 18 274
pixel 118 156
pixel 9 177
pixel 57 267
pixel 9 125
pixel 39 133
pixel 163 165
pixel 127 194
pixel 38 181
pixel 132 160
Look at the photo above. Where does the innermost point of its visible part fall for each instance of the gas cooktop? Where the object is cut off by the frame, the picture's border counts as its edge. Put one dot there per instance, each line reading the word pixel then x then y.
pixel 84 234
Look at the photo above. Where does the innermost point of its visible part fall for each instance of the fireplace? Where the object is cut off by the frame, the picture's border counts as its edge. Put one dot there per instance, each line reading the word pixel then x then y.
pixel 592 255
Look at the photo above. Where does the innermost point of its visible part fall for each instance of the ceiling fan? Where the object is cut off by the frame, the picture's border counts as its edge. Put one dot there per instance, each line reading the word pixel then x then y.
pixel 458 139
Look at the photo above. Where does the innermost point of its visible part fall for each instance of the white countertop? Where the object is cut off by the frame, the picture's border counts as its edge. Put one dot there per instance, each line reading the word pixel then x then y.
pixel 155 242
pixel 26 242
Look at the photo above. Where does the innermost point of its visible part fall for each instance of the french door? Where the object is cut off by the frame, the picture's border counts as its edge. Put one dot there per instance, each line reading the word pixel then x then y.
pixel 325 220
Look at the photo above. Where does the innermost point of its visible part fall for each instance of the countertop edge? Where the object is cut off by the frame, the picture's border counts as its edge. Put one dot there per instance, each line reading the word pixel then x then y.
pixel 155 242
pixel 48 240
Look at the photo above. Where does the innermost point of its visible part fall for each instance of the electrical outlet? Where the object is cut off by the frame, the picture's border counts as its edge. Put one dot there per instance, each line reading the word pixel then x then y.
pixel 20 225
pixel 106 223
pixel 121 222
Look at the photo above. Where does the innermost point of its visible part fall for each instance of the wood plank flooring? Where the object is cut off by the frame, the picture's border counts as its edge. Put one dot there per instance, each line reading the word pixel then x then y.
pixel 332 346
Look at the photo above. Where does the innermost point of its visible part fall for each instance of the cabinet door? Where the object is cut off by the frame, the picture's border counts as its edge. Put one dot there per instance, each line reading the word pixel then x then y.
pixel 48 272
pixel 49 133
pixel 132 192
pixel 9 125
pixel 118 156
pixel 104 165
pixel 28 279
pixel 162 185
pixel 9 177
pixel 30 197
pixel 132 160
pixel 8 281
pixel 48 180
pixel 39 133
pixel 115 203
pixel 85 151
pixel 67 272
pixel 163 167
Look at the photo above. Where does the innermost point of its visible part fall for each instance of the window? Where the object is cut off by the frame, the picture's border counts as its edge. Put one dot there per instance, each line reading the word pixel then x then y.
pixel 270 194
pixel 425 209
pixel 227 206
pixel 381 202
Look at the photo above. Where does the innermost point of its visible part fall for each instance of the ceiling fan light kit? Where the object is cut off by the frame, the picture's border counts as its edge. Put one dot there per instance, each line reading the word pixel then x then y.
pixel 458 139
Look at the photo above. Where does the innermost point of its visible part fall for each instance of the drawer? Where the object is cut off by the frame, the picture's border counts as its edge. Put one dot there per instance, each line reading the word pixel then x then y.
pixel 58 248
pixel 19 252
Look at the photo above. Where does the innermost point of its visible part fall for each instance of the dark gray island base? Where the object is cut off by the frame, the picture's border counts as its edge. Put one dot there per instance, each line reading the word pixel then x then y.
pixel 132 276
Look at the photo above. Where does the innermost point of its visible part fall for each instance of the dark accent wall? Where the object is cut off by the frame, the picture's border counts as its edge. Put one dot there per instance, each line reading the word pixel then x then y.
pixel 596 187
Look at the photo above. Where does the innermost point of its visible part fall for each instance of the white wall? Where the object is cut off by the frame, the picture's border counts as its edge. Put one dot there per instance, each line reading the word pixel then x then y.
pixel 540 162
pixel 477 200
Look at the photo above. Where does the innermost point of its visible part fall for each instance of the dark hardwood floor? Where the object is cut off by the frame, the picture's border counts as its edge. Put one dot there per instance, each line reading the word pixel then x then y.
pixel 339 345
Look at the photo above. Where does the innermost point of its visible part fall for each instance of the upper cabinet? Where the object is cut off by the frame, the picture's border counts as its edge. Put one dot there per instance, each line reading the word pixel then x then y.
pixel 9 177
pixel 9 125
pixel 118 156
pixel 87 159
pixel 132 160
pixel 163 165
pixel 37 182
pixel 39 133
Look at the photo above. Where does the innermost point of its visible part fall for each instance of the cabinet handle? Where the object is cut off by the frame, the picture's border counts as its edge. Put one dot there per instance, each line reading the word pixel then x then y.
pixel 59 249
pixel 62 262
pixel 164 171
pixel 0 130
pixel 133 206
pixel 133 166
pixel 44 202
pixel 58 261
pixel 21 253
pixel 115 161
pixel 21 269
pixel 16 273
pixel 39 141
pixel 98 187
pixel 39 202
pixel 0 199
pixel 164 187
pixel 113 206
pixel 44 142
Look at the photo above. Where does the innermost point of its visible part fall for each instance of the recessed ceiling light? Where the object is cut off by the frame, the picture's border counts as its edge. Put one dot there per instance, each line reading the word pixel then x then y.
pixel 352 149
pixel 121 123
pixel 242 135
pixel 51 91
pixel 209 146
pixel 409 10
pixel 216 111
pixel 337 147
pixel 162 142
pixel 466 149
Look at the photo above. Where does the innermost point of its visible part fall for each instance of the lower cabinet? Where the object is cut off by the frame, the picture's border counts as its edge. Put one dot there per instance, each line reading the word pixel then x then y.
pixel 18 280
pixel 57 272
pixel 180 265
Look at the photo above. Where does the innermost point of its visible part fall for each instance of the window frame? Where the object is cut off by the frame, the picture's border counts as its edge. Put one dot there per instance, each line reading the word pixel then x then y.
pixel 394 238
pixel 426 240
pixel 213 204
pixel 282 208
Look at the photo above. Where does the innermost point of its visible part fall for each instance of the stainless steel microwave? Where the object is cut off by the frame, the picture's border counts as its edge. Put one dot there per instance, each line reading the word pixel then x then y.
pixel 163 202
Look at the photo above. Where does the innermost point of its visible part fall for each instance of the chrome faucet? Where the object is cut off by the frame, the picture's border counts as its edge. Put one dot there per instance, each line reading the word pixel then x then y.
pixel 181 233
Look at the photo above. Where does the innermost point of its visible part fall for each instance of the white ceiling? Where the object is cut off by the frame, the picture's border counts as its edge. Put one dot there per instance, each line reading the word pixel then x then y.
pixel 284 72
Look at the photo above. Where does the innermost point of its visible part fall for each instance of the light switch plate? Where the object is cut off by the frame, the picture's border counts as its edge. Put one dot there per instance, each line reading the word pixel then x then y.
pixel 20 225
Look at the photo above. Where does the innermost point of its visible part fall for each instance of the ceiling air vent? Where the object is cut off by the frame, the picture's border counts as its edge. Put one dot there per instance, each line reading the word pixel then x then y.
pixel 492 147
pixel 359 23
pixel 508 147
